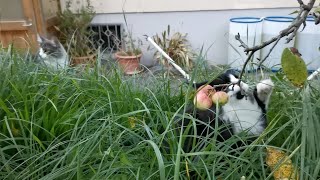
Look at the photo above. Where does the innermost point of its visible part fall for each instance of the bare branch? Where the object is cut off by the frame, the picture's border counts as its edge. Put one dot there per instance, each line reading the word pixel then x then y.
pixel 241 42
pixel 303 6
pixel 292 35
pixel 300 2
pixel 271 49
pixel 245 64
pixel 283 33
pixel 304 26
pixel 291 30
pixel 223 85
pixel 316 18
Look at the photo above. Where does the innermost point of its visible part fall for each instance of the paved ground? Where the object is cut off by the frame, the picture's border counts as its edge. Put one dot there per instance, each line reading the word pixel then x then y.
pixel 149 75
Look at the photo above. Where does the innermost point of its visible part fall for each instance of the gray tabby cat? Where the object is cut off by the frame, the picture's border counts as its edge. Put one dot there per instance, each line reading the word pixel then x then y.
pixel 52 53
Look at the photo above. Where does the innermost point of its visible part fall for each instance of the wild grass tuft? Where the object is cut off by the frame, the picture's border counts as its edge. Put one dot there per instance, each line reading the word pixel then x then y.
pixel 101 125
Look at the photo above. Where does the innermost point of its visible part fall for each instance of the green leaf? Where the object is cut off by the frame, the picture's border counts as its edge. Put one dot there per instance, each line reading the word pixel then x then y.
pixel 124 159
pixel 294 68
pixel 294 12
pixel 38 141
pixel 317 10
pixel 159 158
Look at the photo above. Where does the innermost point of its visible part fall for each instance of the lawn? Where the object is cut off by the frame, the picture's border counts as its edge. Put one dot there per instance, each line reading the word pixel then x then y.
pixel 99 124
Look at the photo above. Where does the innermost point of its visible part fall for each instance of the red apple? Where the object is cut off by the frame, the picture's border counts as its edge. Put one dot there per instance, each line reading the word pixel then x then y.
pixel 207 89
pixel 202 101
pixel 220 98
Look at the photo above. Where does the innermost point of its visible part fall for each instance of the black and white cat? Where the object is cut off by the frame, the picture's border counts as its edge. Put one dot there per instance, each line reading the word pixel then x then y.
pixel 52 53
pixel 245 111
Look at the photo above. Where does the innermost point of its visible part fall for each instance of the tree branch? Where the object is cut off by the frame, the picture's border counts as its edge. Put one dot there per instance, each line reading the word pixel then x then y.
pixel 300 2
pixel 271 49
pixel 291 30
pixel 245 64
pixel 316 15
pixel 316 18
pixel 241 42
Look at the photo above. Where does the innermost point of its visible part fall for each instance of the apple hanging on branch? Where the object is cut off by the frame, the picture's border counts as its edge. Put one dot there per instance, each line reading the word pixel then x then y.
pixel 207 95
pixel 202 99
pixel 220 98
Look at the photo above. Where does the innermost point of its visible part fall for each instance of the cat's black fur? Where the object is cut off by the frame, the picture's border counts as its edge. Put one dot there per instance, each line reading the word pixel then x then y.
pixel 222 79
pixel 207 118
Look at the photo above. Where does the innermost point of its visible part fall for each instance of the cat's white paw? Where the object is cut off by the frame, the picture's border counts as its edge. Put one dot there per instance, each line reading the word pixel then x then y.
pixel 265 86
pixel 264 89
pixel 233 79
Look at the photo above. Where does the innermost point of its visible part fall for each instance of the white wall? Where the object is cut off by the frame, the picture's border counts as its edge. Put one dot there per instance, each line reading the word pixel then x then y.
pixel 205 28
pixel 117 6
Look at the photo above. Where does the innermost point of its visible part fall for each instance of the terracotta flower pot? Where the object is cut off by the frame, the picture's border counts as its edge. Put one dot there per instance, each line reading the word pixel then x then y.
pixel 129 64
pixel 85 60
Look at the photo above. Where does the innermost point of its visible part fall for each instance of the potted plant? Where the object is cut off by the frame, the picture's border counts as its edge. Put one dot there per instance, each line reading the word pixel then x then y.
pixel 129 54
pixel 176 46
pixel 74 34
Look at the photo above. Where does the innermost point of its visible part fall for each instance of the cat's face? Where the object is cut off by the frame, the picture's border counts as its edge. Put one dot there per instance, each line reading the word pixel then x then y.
pixel 49 48
pixel 262 90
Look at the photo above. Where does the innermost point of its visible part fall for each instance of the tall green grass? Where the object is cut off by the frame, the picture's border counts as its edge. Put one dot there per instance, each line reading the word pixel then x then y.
pixel 81 124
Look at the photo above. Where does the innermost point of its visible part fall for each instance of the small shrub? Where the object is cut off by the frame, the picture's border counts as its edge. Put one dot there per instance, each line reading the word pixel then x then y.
pixel 176 46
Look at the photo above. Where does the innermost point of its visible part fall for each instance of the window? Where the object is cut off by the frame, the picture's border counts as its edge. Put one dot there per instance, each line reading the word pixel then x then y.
pixel 107 36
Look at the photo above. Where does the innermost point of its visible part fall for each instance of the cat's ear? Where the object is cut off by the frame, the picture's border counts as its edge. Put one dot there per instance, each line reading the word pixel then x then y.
pixel 264 90
pixel 40 39
pixel 55 40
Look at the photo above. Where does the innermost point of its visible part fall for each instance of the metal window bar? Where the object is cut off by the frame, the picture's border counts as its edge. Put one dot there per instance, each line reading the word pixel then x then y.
pixel 107 36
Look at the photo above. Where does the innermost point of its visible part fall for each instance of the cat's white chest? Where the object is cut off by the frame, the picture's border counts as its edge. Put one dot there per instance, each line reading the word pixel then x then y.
pixel 243 115
pixel 42 54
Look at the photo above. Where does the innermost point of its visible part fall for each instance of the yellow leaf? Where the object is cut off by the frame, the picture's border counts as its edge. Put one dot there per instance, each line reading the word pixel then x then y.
pixel 132 121
pixel 294 67
pixel 187 169
pixel 317 10
pixel 281 164
pixel 15 132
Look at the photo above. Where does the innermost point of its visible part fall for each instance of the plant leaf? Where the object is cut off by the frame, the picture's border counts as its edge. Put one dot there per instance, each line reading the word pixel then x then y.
pixel 294 12
pixel 317 10
pixel 124 159
pixel 280 164
pixel 294 68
